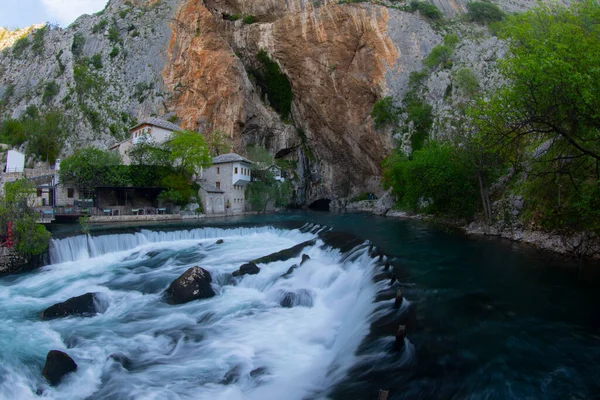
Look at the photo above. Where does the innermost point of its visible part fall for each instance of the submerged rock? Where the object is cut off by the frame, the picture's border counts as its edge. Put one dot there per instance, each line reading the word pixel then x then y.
pixel 220 241
pixel 83 306
pixel 58 364
pixel 303 298
pixel 305 258
pixel 247 269
pixel 193 284
pixel 290 271
pixel 285 254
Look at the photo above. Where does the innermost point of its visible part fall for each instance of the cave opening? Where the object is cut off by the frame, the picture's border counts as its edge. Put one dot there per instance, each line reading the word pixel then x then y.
pixel 320 205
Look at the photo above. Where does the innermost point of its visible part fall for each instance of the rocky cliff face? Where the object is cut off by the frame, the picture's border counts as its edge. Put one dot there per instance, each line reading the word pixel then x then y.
pixel 190 60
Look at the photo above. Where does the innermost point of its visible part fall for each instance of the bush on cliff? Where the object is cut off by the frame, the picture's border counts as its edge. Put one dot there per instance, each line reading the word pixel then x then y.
pixel 275 84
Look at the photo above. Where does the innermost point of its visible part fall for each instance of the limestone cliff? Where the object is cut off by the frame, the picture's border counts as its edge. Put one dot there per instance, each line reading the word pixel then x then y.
pixel 192 60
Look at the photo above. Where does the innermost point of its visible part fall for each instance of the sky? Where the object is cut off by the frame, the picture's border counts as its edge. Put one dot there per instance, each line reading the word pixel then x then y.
pixel 22 13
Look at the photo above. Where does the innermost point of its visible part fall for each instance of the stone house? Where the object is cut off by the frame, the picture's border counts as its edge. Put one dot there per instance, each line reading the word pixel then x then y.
pixel 223 184
pixel 154 129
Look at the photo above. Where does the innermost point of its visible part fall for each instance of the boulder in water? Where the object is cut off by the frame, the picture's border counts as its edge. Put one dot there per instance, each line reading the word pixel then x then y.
pixel 303 298
pixel 193 284
pixel 285 254
pixel 83 306
pixel 58 364
pixel 290 271
pixel 400 335
pixel 305 258
pixel 220 241
pixel 247 269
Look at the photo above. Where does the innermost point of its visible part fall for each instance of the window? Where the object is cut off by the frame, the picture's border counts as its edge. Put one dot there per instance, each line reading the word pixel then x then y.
pixel 218 170
pixel 236 170
pixel 70 193
pixel 39 193
pixel 218 184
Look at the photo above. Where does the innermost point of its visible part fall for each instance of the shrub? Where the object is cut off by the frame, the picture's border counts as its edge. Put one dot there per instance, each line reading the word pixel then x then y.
pixel 484 12
pixel 384 112
pixel 231 17
pixel 451 40
pixel 249 19
pixel 114 52
pixel 466 81
pixel 275 84
pixel 439 55
pixel 77 45
pixel 426 9
pixel 96 61
pixel 421 115
pixel 100 26
pixel 438 179
pixel 38 40
pixel 113 34
pixel 20 46
pixel 50 91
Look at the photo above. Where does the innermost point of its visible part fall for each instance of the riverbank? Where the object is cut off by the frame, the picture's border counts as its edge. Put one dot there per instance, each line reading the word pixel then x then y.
pixel 578 245
pixel 160 217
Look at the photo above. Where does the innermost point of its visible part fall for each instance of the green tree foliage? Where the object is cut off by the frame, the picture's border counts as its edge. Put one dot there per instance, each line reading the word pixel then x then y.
pixel 96 61
pixel 259 155
pixel 426 9
pixel 12 132
pixel 113 34
pixel 547 117
pixel 384 112
pixel 178 189
pixel 50 91
pixel 147 152
pixel 100 26
pixel 466 81
pixel 218 143
pixel 77 44
pixel 19 47
pixel 37 43
pixel 15 206
pixel 87 168
pixel 114 52
pixel 46 134
pixel 451 40
pixel 189 151
pixel 265 190
pixel 86 81
pixel 440 55
pixel 484 12
pixel 438 179
pixel 275 84
pixel 249 19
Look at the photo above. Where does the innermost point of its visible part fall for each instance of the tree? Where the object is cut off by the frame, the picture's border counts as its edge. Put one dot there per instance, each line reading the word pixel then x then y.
pixel 17 218
pixel 87 168
pixel 547 116
pixel 439 55
pixel 484 12
pixel 188 149
pixel 218 142
pixel 147 152
pixel 46 135
pixel 384 112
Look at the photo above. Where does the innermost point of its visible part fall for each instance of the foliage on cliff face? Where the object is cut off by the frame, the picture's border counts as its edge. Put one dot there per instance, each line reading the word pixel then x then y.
pixel 275 84
pixel 30 238
pixel 547 118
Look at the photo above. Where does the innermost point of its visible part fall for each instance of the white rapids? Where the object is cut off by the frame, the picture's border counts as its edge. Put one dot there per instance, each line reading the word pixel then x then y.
pixel 240 344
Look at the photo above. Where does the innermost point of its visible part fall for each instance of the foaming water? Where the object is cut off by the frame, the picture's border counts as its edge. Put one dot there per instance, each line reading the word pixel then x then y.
pixel 262 337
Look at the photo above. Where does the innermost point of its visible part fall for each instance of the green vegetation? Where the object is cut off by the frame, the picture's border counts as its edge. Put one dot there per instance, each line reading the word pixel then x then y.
pixel 188 150
pixel 47 134
pixel 437 179
pixel 546 119
pixel 232 17
pixel 218 143
pixel 426 9
pixel 114 52
pixel 113 33
pixel 77 45
pixel 86 81
pixel 12 132
pixel 87 168
pixel 451 40
pixel 19 47
pixel 50 91
pixel 37 45
pixel 100 26
pixel 466 81
pixel 249 19
pixel 384 112
pixel 18 220
pixel 96 61
pixel 265 191
pixel 439 56
pixel 275 84
pixel 484 12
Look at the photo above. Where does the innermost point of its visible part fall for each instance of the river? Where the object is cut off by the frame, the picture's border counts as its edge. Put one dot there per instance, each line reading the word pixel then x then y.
pixel 486 318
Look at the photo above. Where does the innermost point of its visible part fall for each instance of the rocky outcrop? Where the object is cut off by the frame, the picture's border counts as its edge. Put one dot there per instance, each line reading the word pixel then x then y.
pixel 58 364
pixel 285 254
pixel 193 284
pixel 247 269
pixel 81 306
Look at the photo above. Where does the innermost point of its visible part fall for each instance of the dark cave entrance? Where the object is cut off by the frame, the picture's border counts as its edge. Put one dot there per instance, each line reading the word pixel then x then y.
pixel 320 205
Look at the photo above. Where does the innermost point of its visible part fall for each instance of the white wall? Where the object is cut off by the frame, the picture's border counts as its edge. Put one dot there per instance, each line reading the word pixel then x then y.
pixel 159 135
pixel 242 177
pixel 15 161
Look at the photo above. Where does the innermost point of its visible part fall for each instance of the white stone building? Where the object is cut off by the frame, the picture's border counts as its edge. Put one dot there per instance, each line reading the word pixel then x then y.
pixel 223 185
pixel 152 129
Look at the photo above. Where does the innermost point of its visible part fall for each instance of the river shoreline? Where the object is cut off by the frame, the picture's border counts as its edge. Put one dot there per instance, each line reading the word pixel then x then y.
pixel 582 245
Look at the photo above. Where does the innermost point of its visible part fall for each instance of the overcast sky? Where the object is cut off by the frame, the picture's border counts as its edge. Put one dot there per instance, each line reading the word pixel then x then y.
pixel 22 13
